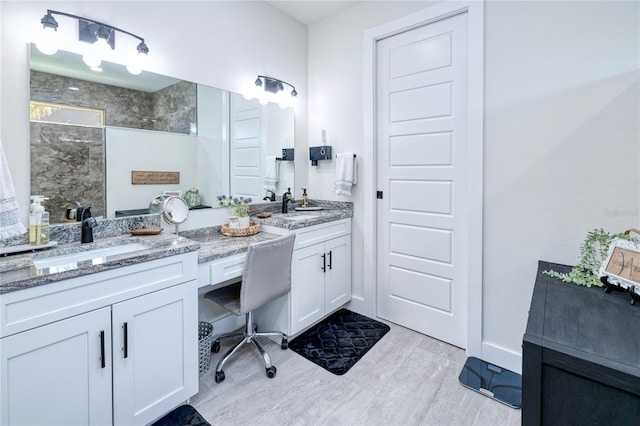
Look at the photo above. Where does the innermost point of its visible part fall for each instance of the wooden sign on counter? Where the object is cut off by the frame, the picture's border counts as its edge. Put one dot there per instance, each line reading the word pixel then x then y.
pixel 153 178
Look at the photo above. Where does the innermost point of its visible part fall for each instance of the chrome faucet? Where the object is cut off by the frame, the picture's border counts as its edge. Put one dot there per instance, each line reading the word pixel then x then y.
pixel 271 196
pixel 88 223
pixel 286 197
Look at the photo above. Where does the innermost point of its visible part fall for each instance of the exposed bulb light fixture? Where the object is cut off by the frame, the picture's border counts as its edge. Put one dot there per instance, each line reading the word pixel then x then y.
pixel 47 41
pixel 269 89
pixel 100 36
pixel 136 63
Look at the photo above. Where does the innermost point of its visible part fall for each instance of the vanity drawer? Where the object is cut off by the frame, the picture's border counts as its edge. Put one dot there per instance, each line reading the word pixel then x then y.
pixel 221 270
pixel 32 307
pixel 318 233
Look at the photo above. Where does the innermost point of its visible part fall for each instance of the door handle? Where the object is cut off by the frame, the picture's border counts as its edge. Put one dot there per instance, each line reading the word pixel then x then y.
pixel 102 360
pixel 125 349
pixel 330 257
pixel 324 262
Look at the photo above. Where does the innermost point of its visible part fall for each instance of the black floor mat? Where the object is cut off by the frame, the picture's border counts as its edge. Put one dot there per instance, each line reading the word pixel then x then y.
pixel 185 415
pixel 339 341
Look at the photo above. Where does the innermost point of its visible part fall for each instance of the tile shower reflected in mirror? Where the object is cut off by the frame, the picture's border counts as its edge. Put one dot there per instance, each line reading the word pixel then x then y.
pixel 89 131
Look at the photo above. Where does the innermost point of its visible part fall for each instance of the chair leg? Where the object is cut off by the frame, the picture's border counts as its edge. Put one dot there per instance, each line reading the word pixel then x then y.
pixel 284 343
pixel 228 354
pixel 249 336
pixel 260 349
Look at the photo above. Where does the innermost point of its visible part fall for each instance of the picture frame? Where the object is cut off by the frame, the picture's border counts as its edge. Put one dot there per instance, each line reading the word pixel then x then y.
pixel 622 265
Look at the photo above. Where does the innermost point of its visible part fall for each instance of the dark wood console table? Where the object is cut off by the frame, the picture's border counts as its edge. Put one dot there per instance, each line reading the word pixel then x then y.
pixel 580 355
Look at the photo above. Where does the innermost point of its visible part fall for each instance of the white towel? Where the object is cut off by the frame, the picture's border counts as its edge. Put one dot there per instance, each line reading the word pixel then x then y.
pixel 10 225
pixel 346 173
pixel 270 173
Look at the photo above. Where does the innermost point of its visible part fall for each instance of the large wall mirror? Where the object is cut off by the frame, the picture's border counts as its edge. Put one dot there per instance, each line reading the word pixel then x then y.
pixel 91 129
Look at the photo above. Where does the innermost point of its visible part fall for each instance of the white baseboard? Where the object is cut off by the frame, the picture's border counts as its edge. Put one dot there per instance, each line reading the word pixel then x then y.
pixel 502 357
pixel 359 305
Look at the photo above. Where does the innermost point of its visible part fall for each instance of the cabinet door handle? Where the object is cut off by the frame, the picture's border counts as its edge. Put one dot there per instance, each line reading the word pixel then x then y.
pixel 125 328
pixel 324 262
pixel 102 360
pixel 330 257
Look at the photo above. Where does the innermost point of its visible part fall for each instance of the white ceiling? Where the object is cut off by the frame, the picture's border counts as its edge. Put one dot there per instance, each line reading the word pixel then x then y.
pixel 311 11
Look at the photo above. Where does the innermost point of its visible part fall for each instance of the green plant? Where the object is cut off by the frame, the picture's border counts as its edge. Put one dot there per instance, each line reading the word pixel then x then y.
pixel 239 204
pixel 593 252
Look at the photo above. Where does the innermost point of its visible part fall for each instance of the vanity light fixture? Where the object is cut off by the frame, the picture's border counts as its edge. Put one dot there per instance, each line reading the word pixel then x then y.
pixel 269 89
pixel 100 35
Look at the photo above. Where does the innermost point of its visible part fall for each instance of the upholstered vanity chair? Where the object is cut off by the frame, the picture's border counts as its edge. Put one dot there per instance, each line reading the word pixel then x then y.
pixel 266 276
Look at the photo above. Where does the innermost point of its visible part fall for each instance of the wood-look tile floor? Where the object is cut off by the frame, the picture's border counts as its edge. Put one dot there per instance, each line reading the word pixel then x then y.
pixel 405 379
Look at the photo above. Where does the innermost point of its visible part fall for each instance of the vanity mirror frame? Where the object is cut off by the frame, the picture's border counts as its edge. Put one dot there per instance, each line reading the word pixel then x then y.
pixel 223 174
pixel 175 211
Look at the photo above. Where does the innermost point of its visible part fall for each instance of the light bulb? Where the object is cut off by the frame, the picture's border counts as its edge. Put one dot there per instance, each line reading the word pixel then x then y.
pixel 91 59
pixel 293 102
pixel 283 99
pixel 96 52
pixel 47 42
pixel 135 64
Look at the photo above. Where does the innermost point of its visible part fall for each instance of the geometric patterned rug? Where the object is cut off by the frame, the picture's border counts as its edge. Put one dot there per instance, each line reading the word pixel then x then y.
pixel 339 341
pixel 185 415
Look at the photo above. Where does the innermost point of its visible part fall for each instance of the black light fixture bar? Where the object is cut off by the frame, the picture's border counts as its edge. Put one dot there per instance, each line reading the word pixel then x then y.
pixel 49 21
pixel 274 85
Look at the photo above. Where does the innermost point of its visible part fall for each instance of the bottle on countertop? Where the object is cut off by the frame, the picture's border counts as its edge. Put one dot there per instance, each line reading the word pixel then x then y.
pixel 38 222
pixel 305 200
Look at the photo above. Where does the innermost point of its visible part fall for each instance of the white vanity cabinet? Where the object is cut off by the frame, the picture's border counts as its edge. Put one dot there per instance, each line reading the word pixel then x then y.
pixel 53 374
pixel 115 347
pixel 320 278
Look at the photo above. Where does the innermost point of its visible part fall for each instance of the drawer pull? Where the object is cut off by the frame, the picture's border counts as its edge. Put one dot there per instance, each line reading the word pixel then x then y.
pixel 330 257
pixel 324 262
pixel 125 328
pixel 102 360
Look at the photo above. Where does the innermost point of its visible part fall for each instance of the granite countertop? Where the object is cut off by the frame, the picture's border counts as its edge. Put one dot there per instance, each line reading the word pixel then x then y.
pixel 214 245
pixel 18 272
pixel 330 211
pixel 316 217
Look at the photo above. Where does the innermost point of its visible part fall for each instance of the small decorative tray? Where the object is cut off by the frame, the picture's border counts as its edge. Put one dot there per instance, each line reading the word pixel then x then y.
pixel 263 215
pixel 148 231
pixel 253 228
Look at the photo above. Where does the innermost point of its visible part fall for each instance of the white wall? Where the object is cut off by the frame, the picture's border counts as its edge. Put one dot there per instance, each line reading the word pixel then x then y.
pixel 562 146
pixel 223 44
pixel 562 151
pixel 130 149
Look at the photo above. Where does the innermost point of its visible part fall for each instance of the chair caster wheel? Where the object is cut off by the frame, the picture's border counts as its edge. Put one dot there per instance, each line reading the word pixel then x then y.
pixel 215 347
pixel 284 344
pixel 271 372
pixel 220 376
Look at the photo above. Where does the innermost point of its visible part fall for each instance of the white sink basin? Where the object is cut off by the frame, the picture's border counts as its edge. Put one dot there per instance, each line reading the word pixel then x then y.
pixel 301 217
pixel 97 255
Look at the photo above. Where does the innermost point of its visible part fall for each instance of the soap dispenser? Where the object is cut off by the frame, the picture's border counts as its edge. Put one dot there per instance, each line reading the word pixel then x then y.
pixel 38 222
pixel 305 200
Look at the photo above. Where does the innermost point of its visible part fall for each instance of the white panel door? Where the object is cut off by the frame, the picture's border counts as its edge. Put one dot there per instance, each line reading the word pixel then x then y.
pixel 56 374
pixel 246 148
pixel 422 148
pixel 155 353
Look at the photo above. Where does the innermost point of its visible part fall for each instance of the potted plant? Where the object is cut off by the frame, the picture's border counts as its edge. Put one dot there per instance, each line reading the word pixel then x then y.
pixel 240 206
pixel 592 253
